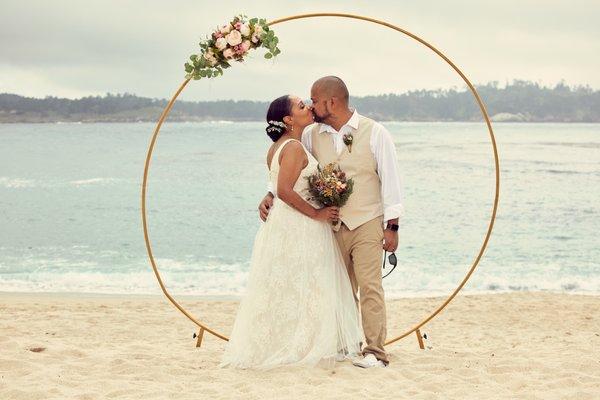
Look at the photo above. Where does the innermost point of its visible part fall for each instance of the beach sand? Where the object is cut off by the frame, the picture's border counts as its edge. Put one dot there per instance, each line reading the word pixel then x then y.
pixel 506 346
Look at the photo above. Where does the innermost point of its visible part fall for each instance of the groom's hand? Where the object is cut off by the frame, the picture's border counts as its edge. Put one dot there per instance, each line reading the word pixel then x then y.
pixel 265 205
pixel 390 240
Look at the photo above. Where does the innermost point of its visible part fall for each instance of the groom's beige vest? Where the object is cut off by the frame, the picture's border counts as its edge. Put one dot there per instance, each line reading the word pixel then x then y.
pixel 365 201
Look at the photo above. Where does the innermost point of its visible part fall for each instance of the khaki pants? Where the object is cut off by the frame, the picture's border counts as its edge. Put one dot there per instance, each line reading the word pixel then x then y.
pixel 362 250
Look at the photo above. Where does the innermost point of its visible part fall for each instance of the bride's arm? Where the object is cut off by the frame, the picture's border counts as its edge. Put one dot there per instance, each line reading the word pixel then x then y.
pixel 293 160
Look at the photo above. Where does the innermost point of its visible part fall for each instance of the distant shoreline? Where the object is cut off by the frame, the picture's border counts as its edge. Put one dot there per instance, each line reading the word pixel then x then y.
pixel 260 121
pixel 520 101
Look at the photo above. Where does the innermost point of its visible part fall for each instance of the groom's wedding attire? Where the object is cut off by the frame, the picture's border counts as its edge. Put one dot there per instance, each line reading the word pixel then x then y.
pixel 377 197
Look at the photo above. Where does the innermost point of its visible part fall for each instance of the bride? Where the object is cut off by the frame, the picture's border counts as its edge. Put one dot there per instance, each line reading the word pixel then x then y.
pixel 299 307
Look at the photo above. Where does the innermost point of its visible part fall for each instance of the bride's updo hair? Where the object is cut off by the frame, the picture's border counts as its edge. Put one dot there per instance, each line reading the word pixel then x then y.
pixel 279 108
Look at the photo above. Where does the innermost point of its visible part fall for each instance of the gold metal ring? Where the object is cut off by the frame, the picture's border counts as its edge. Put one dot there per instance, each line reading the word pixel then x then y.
pixel 416 327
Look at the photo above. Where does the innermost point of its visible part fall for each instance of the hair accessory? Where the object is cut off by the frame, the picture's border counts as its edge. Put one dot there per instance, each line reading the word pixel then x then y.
pixel 276 126
pixel 277 123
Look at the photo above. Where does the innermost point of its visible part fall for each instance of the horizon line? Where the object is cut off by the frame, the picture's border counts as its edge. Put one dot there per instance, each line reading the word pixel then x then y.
pixel 495 84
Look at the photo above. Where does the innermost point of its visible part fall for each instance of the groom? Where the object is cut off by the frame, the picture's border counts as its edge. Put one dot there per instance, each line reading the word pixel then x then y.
pixel 376 199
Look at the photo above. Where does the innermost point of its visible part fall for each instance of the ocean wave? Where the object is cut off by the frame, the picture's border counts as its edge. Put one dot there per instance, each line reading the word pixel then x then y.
pixel 565 172
pixel 197 284
pixel 22 183
pixel 16 183
pixel 230 280
pixel 584 145
pixel 189 265
pixel 92 181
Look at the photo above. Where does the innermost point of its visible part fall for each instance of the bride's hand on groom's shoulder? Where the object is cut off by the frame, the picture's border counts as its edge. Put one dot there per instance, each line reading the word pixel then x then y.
pixel 265 205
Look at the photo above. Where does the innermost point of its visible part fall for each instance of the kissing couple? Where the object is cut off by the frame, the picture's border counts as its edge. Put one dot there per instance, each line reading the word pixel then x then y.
pixel 314 294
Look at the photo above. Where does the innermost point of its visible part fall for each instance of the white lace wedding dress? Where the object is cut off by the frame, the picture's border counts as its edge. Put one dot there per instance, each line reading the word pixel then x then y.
pixel 298 307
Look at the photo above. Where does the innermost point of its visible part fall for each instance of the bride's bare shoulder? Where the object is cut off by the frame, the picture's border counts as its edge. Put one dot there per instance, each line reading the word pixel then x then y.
pixel 295 151
pixel 292 148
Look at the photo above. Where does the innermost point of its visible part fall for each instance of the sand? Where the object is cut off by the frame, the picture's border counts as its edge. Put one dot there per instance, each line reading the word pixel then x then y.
pixel 506 346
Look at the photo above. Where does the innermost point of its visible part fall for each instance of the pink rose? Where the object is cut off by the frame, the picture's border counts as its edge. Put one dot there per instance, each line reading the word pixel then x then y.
pixel 246 45
pixel 228 53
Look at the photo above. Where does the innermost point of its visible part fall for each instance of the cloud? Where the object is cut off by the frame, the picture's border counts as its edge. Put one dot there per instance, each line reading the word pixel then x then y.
pixel 71 49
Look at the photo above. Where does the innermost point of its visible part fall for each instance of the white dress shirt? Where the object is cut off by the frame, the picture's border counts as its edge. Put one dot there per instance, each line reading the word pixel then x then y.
pixel 384 151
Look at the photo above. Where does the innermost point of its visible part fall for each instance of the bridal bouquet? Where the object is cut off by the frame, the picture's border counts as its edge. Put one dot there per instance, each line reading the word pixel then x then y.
pixel 231 42
pixel 329 186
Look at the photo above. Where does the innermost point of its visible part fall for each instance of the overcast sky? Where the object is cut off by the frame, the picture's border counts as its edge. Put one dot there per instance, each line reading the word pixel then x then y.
pixel 79 48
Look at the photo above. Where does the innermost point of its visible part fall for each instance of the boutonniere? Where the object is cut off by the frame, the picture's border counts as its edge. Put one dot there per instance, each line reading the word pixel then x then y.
pixel 348 141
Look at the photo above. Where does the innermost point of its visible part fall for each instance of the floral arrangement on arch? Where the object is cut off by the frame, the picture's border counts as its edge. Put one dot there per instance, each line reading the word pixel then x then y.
pixel 231 42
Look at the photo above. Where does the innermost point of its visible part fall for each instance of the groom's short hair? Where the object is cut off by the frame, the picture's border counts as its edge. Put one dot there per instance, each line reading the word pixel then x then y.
pixel 333 86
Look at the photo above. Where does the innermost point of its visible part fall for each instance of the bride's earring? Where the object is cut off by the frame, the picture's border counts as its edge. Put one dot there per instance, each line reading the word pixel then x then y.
pixel 292 128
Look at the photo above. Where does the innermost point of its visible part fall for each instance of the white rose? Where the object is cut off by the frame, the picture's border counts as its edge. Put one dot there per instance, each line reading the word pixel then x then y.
pixel 224 29
pixel 221 43
pixel 234 38
pixel 258 30
pixel 210 57
pixel 228 53
pixel 245 30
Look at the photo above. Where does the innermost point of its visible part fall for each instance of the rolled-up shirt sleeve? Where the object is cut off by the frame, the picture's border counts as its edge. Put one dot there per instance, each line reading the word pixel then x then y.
pixel 384 150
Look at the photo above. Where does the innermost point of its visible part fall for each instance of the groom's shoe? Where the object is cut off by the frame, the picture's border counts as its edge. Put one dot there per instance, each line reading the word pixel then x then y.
pixel 369 361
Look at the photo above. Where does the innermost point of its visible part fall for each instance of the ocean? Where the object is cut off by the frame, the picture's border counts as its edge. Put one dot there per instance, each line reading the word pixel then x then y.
pixel 70 218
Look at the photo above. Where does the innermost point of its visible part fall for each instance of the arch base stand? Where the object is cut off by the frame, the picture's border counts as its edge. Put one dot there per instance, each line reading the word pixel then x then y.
pixel 199 337
pixel 420 339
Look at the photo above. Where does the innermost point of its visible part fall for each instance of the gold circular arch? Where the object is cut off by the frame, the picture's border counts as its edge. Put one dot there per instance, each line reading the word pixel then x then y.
pixel 416 327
